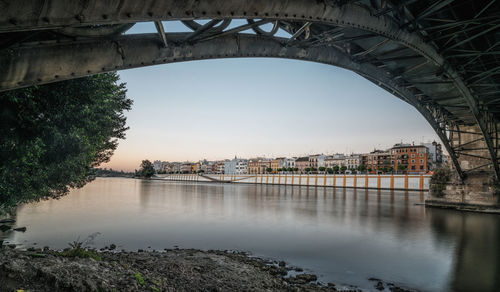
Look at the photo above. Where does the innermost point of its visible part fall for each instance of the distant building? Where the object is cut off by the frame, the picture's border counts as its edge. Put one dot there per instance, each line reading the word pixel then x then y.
pixel 436 158
pixel 157 165
pixel 286 163
pixel 275 164
pixel 317 160
pixel 378 160
pixel 236 166
pixel 258 165
pixel 336 159
pixel 353 161
pixel 218 166
pixel 186 167
pixel 302 163
pixel 410 158
pixel 176 167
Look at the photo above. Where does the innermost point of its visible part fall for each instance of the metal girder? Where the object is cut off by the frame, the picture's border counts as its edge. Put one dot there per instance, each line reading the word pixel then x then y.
pixel 29 15
pixel 35 65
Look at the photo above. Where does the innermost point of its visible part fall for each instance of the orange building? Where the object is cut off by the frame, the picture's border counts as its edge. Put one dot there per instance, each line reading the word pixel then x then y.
pixel 409 158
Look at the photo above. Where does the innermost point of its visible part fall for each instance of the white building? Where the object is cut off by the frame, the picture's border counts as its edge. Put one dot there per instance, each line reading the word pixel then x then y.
pixel 336 159
pixel 236 166
pixel 157 165
pixel 352 161
pixel 286 163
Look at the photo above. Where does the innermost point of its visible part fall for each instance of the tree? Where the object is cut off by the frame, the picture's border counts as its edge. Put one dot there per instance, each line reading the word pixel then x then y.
pixel 401 167
pixel 329 170
pixel 295 169
pixel 146 169
pixel 307 169
pixel 336 168
pixel 269 170
pixel 321 168
pixel 54 135
pixel 343 168
pixel 361 168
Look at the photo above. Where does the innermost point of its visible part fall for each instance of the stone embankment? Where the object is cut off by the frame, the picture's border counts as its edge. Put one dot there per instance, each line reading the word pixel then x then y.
pixel 168 270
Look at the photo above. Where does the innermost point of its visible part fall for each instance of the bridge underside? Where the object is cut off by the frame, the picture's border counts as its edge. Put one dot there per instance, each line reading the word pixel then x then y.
pixel 442 57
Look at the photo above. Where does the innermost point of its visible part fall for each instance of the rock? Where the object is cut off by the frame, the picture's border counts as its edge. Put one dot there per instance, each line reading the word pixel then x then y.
pixel 302 279
pixel 8 220
pixel 398 289
pixel 282 264
pixel 4 227
pixel 12 246
pixel 21 229
pixel 307 277
pixel 277 271
pixel 380 286
pixel 112 246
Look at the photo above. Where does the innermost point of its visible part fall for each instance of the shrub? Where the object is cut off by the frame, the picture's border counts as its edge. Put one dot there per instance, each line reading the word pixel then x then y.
pixel 438 181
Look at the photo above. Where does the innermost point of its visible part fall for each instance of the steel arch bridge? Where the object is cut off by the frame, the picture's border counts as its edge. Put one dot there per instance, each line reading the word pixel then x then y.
pixel 442 57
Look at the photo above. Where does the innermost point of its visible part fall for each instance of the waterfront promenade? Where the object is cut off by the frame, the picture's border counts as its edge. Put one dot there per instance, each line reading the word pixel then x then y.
pixel 418 182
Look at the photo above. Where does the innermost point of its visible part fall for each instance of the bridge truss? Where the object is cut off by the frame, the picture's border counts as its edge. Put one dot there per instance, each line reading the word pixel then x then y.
pixel 442 57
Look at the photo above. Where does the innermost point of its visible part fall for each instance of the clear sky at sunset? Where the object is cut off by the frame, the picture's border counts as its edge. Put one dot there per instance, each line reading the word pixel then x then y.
pixel 217 109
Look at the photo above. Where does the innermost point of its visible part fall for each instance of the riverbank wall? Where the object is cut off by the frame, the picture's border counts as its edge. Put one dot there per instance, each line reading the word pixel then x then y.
pixel 362 181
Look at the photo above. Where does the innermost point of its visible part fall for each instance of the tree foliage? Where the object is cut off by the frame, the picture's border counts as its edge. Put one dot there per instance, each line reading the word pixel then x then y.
pixel 147 170
pixel 52 136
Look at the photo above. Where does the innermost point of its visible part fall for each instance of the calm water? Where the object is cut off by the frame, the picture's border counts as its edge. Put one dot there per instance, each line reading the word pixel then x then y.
pixel 344 236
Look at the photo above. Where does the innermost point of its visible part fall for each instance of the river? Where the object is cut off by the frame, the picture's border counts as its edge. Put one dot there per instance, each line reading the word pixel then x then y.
pixel 344 236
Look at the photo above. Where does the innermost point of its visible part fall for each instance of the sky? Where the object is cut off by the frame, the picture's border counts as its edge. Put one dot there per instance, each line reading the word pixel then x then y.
pixel 249 107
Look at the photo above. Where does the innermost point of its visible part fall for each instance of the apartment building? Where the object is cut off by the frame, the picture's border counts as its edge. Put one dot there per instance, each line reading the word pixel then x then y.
pixel 258 165
pixel 302 163
pixel 236 166
pixel 410 158
pixel 378 160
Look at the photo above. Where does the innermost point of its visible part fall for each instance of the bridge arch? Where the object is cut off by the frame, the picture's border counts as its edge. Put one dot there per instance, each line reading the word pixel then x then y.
pixel 382 41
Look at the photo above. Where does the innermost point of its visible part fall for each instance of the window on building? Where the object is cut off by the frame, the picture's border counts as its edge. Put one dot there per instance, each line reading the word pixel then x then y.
pixel 413 161
pixel 421 167
pixel 413 167
pixel 421 161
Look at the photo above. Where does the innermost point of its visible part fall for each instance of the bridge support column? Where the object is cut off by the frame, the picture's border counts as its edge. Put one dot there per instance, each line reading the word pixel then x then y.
pixel 476 191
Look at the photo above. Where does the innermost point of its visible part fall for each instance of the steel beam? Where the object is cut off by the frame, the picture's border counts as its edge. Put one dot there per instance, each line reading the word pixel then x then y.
pixel 27 65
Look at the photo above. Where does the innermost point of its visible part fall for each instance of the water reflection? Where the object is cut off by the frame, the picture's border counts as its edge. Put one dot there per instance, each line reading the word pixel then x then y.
pixel 343 235
pixel 476 254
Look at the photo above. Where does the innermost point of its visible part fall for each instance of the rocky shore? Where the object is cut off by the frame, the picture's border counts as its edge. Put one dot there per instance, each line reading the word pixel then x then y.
pixel 168 270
